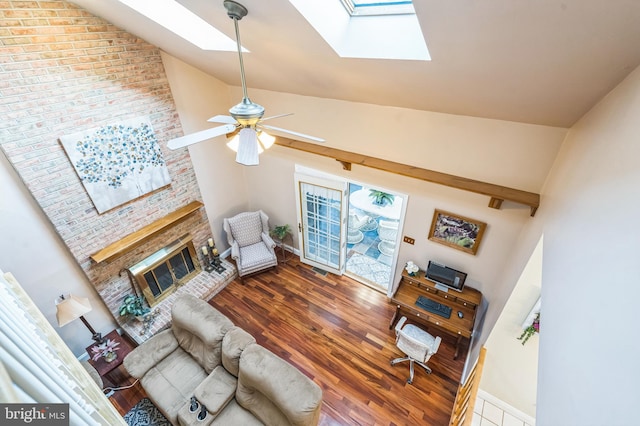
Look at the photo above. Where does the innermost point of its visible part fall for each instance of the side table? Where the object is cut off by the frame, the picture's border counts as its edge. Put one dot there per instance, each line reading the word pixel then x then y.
pixel 284 252
pixel 105 368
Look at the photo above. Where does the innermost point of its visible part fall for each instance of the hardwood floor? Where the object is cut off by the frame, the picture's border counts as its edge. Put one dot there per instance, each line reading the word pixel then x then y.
pixel 335 330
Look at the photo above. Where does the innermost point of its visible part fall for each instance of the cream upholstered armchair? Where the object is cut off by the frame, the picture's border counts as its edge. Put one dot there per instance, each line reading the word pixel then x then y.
pixel 252 248
pixel 417 344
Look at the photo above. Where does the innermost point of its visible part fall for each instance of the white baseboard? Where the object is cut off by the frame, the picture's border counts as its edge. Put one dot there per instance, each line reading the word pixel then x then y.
pixel 292 249
pixel 506 407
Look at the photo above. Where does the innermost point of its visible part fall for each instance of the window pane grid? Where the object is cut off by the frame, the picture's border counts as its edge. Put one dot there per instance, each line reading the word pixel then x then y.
pixel 323 225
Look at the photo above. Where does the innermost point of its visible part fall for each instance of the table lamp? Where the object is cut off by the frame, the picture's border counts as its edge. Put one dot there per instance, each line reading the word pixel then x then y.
pixel 71 309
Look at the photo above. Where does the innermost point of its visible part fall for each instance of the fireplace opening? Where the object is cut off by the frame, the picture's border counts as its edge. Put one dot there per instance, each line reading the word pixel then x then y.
pixel 161 273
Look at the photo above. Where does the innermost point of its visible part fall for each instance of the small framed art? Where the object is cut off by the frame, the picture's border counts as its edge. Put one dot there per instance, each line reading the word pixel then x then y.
pixel 456 231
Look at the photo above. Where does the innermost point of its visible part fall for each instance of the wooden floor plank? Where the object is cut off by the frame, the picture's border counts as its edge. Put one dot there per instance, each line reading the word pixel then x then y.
pixel 335 331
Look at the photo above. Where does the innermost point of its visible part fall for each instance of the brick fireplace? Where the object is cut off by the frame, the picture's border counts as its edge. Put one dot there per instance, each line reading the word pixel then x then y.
pixel 65 70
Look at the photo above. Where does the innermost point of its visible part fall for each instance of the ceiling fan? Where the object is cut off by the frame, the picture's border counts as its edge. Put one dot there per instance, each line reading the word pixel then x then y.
pixel 245 119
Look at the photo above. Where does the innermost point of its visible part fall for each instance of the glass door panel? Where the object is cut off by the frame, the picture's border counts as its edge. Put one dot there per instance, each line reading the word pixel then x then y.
pixel 321 217
pixel 373 235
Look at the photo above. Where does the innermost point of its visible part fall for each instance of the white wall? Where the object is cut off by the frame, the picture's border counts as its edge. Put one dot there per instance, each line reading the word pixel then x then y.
pixel 32 251
pixel 199 97
pixel 588 349
pixel 511 368
pixel 506 153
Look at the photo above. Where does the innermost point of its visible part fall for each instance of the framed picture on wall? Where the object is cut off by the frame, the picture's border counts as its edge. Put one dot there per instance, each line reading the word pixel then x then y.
pixel 456 231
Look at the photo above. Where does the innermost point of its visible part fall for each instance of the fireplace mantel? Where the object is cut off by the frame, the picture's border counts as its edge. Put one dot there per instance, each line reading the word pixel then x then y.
pixel 140 236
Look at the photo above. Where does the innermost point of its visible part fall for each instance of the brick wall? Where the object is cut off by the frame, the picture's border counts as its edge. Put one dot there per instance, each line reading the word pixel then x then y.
pixel 63 70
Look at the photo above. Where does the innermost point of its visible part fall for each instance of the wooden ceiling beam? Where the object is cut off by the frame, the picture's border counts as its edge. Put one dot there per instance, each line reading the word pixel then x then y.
pixel 497 193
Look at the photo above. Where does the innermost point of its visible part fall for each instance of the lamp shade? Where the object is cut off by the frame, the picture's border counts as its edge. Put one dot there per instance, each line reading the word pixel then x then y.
pixel 71 308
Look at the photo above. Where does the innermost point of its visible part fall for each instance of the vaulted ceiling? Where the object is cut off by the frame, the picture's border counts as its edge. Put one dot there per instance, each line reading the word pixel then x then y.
pixel 533 61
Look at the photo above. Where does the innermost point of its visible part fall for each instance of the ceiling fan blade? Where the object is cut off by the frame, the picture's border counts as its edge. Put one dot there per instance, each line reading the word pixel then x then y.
pixel 224 119
pixel 302 135
pixel 200 136
pixel 275 116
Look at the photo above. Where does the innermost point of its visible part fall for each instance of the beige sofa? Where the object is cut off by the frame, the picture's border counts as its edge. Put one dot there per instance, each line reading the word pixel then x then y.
pixel 203 355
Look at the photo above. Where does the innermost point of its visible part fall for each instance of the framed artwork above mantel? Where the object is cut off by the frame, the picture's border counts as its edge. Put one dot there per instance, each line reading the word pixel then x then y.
pixel 458 232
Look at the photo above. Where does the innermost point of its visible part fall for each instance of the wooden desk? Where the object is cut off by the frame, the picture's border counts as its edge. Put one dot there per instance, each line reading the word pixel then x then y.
pixel 466 302
pixel 103 367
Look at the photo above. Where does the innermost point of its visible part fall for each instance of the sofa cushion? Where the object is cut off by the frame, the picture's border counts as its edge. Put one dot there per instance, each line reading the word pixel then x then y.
pixel 147 355
pixel 246 228
pixel 255 256
pixel 215 392
pixel 199 329
pixel 233 344
pixel 172 382
pixel 235 415
pixel 276 392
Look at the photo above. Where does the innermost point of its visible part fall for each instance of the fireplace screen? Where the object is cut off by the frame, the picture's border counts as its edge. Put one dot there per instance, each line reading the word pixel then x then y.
pixel 165 270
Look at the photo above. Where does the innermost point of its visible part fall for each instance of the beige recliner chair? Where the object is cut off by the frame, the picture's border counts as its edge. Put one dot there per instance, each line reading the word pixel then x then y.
pixel 171 364
pixel 206 371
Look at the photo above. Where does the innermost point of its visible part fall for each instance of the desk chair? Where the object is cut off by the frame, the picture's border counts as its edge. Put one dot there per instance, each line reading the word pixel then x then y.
pixel 417 344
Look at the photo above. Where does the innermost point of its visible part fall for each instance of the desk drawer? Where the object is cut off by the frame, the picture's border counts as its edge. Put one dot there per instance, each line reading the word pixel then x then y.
pixel 416 313
pixel 448 296
pixel 465 304
pixel 455 331
pixel 428 319
pixel 425 288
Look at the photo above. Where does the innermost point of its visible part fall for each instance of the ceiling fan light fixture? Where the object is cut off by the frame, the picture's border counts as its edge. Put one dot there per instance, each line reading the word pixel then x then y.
pixel 248 149
pixel 265 139
pixel 245 120
pixel 234 143
pixel 247 113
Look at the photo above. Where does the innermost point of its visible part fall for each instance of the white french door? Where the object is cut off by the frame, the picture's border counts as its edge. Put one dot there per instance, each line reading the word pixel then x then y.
pixel 321 222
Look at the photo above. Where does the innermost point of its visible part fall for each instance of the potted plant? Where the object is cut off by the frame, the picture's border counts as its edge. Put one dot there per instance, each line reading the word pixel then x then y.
pixel 106 350
pixel 132 306
pixel 411 268
pixel 531 330
pixel 381 198
pixel 280 232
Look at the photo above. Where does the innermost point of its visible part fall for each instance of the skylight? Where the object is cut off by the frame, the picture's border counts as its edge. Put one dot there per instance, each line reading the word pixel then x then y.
pixel 368 7
pixel 182 22
pixel 394 35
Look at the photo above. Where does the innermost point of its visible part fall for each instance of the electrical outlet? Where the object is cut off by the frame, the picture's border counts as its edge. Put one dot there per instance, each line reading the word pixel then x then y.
pixel 409 240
